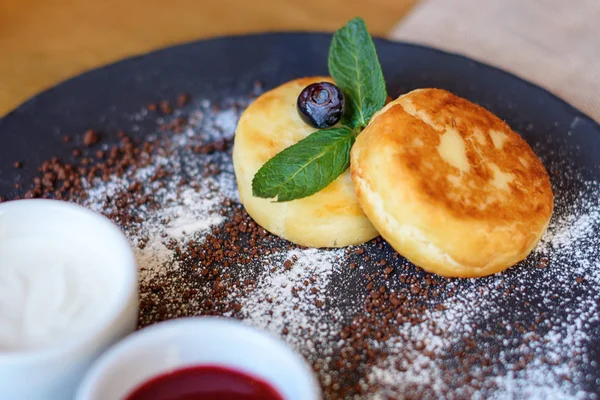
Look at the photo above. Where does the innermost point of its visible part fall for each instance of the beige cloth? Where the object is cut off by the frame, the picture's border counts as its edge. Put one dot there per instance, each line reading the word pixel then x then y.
pixel 553 43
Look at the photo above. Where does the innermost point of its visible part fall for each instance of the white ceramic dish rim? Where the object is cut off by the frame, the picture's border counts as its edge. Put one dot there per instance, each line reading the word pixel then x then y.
pixel 149 335
pixel 125 290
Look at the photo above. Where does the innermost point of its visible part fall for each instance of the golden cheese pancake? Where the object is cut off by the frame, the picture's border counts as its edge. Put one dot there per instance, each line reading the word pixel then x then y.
pixel 450 186
pixel 329 218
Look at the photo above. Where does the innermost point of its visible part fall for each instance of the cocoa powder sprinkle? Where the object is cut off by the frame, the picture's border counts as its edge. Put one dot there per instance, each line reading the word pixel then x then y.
pixel 370 324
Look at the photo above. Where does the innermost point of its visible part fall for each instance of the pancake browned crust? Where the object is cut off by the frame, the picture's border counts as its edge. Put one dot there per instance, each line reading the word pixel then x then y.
pixel 450 186
pixel 329 218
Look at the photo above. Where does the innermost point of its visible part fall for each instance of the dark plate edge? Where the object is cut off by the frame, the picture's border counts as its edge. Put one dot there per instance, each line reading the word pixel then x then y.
pixel 571 109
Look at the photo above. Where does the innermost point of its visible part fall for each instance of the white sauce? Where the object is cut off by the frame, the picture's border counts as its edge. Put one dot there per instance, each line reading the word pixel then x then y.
pixel 50 289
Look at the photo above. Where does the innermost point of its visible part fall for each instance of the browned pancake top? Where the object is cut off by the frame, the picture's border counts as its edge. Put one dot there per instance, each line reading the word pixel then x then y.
pixel 464 158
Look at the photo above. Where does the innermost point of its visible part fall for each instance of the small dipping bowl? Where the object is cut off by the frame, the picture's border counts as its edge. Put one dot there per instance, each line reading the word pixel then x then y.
pixel 193 342
pixel 68 291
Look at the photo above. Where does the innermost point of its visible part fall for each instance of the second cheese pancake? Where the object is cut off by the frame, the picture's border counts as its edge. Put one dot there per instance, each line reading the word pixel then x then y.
pixel 450 185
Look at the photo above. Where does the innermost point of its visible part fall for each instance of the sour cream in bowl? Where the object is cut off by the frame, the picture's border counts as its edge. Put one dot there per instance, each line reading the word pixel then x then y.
pixel 68 290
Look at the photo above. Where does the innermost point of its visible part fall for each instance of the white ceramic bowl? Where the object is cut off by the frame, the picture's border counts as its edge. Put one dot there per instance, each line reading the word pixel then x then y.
pixel 54 370
pixel 186 342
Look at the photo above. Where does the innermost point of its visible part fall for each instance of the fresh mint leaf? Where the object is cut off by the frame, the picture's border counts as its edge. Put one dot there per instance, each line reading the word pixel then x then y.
pixel 314 162
pixel 306 167
pixel 354 66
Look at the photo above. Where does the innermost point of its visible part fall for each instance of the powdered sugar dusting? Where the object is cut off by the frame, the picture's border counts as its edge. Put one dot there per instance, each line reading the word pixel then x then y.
pixel 527 332
pixel 184 212
pixel 546 347
pixel 289 297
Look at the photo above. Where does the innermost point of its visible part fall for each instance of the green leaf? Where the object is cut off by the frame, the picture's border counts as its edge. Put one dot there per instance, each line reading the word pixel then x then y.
pixel 354 66
pixel 306 167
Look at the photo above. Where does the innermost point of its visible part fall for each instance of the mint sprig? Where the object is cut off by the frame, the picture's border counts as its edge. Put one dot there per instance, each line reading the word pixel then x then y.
pixel 310 165
pixel 306 167
pixel 354 66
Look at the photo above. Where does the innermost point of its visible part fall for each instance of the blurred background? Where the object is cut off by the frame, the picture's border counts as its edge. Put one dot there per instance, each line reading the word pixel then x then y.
pixel 44 42
pixel 553 43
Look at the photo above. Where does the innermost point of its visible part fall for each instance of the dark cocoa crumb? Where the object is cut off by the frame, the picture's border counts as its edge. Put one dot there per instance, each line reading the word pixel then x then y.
pixel 543 262
pixel 90 138
pixel 165 107
pixel 182 100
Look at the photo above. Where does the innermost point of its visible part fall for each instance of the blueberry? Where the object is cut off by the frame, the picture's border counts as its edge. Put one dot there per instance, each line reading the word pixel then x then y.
pixel 321 105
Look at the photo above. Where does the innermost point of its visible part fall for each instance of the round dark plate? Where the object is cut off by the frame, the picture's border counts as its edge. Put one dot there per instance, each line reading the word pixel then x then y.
pixel 558 304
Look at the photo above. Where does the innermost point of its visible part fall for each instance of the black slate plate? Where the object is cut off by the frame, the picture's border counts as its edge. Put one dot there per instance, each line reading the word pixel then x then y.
pixel 567 141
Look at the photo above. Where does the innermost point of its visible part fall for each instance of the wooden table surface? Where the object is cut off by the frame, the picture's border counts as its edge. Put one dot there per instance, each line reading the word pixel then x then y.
pixel 44 42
